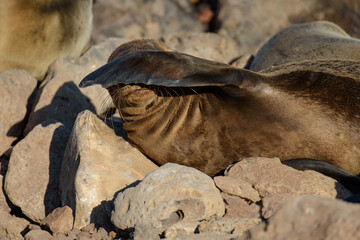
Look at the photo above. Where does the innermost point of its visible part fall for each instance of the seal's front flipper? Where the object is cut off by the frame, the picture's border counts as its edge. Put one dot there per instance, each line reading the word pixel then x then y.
pixel 350 181
pixel 168 69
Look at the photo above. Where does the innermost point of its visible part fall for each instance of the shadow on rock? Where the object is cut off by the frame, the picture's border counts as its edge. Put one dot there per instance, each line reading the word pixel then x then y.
pixel 52 197
pixel 64 107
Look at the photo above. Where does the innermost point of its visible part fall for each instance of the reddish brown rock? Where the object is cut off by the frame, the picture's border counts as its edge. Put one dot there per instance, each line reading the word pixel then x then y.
pixel 38 235
pixel 59 220
pixel 90 228
pixel 239 208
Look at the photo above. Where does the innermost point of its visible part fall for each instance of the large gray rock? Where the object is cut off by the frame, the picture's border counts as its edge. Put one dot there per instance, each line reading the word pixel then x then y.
pixel 170 195
pixel 96 164
pixel 16 87
pixel 143 19
pixel 307 41
pixel 309 217
pixel 59 97
pixel 32 179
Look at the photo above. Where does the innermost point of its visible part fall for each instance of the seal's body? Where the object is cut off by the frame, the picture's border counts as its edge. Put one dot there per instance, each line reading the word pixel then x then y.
pixel 205 114
pixel 307 41
pixel 35 33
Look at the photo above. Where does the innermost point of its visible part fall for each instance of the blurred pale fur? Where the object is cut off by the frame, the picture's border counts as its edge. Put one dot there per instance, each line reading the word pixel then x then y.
pixel 35 33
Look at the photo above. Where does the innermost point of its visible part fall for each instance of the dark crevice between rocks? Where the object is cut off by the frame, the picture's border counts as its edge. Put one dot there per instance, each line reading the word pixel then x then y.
pixel 101 215
pixel 214 24
pixel 20 126
pixel 52 197
pixel 127 233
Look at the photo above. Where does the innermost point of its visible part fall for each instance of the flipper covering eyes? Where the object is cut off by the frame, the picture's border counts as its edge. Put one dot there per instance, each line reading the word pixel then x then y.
pixel 161 68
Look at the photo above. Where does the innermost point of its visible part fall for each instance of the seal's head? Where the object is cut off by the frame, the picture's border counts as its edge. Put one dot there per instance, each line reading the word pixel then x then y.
pixel 136 97
pixel 137 45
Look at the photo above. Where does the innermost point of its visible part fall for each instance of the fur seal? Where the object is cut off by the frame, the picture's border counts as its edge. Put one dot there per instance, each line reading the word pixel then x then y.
pixel 35 33
pixel 205 114
pixel 307 41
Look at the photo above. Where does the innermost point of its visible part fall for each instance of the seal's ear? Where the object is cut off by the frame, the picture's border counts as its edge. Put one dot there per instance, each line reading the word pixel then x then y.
pixel 165 68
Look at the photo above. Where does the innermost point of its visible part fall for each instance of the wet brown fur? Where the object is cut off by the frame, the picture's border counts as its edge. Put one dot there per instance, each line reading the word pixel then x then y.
pixel 300 110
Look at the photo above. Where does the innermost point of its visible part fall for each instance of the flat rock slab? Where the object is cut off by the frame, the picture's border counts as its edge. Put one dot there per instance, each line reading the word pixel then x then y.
pixel 239 207
pixel 172 194
pixel 267 183
pixel 96 165
pixel 269 176
pixel 16 87
pixel 32 179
